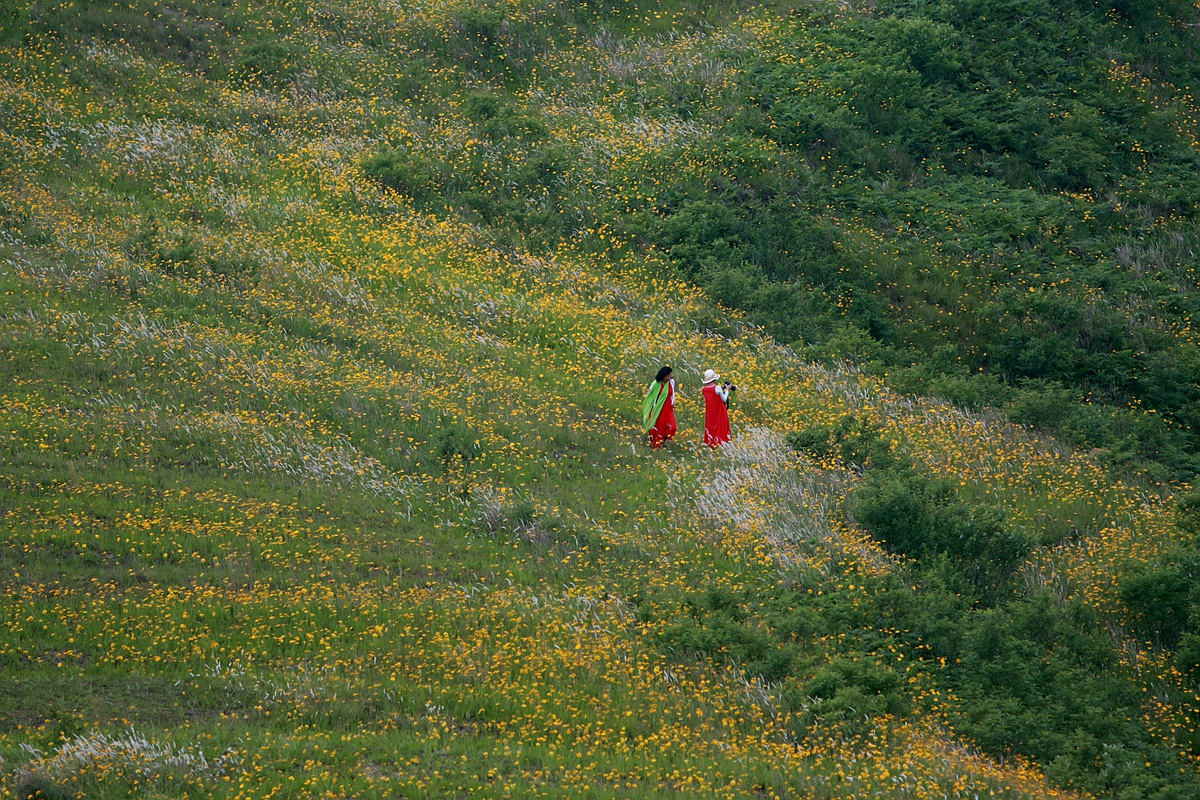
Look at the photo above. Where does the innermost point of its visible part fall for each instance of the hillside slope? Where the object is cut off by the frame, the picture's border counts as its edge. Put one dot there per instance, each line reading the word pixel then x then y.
pixel 311 488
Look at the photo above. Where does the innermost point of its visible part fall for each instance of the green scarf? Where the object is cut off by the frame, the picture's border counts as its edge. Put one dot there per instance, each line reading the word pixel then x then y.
pixel 656 398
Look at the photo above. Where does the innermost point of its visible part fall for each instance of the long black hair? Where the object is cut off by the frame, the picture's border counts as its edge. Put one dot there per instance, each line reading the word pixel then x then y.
pixel 663 373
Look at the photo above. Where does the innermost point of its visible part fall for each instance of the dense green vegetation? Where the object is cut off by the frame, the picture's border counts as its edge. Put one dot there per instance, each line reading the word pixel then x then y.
pixel 1032 672
pixel 322 330
pixel 990 202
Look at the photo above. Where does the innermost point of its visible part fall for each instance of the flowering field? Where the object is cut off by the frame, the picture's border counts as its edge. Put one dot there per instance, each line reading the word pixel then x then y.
pixel 307 490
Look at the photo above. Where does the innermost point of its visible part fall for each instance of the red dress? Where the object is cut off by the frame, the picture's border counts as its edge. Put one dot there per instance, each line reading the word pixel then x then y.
pixel 716 417
pixel 665 426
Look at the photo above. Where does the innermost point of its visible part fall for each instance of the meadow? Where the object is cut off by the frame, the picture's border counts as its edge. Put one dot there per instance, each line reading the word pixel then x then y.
pixel 321 472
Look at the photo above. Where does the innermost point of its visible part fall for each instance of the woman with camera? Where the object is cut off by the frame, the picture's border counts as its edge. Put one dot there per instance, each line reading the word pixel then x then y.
pixel 716 409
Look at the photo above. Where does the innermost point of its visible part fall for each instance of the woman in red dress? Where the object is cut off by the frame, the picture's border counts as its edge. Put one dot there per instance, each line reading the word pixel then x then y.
pixel 658 409
pixel 716 410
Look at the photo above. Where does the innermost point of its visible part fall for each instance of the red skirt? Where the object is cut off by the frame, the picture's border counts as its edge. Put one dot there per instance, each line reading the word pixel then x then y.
pixel 665 426
pixel 716 418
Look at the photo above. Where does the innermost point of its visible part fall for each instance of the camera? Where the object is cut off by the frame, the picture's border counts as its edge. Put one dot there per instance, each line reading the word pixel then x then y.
pixel 729 387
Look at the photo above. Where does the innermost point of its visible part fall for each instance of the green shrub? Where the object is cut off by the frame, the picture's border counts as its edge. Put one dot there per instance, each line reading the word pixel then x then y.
pixel 1187 512
pixel 855 443
pixel 269 62
pixel 715 625
pixel 405 172
pixel 1163 597
pixel 919 517
pixel 1043 404
pixel 485 39
pixel 855 688
pixel 497 118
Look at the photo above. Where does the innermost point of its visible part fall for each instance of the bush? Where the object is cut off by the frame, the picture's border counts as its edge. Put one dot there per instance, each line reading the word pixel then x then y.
pixel 1042 404
pixel 716 626
pixel 856 444
pixel 405 172
pixel 1163 598
pixel 1187 512
pixel 919 517
pixel 852 688
pixel 498 119
pixel 269 62
pixel 485 39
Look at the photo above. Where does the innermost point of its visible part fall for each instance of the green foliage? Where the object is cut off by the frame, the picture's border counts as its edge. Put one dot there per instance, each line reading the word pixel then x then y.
pixel 855 689
pixel 514 182
pixel 455 442
pixel 1164 597
pixel 1187 512
pixel 855 443
pixel 190 32
pixel 919 517
pixel 937 177
pixel 1032 674
pixel 405 172
pixel 497 118
pixel 716 625
pixel 269 62
pixel 1002 141
pixel 43 787
pixel 488 40
pixel 1035 679
pixel 955 202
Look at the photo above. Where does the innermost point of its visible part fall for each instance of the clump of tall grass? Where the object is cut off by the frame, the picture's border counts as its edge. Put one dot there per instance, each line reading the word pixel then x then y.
pixel 796 504
pixel 82 764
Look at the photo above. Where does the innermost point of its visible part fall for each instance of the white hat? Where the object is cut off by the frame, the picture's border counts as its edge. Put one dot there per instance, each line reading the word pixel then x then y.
pixel 711 376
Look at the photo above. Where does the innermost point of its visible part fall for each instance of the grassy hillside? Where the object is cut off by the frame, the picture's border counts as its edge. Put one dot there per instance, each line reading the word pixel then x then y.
pixel 324 335
pixel 993 203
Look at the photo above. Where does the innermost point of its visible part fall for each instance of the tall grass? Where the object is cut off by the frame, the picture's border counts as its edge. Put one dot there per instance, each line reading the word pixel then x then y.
pixel 308 488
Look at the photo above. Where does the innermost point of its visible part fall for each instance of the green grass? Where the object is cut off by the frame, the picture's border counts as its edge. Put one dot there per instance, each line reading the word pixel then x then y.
pixel 343 487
